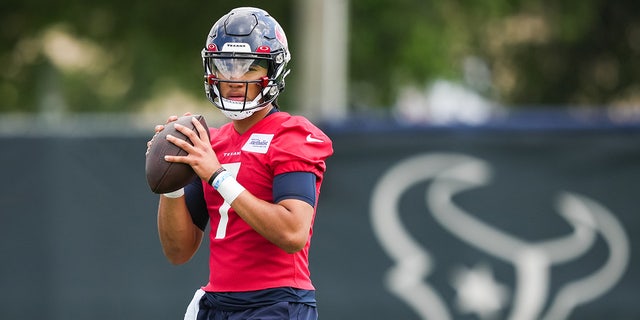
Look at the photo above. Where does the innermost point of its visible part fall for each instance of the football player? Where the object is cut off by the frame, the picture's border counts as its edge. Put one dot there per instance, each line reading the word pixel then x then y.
pixel 259 181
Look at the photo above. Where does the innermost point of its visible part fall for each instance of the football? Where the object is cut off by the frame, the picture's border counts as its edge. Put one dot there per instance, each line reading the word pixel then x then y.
pixel 164 176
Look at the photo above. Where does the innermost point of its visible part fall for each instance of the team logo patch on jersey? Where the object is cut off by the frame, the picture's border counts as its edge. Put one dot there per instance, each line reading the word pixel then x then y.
pixel 258 142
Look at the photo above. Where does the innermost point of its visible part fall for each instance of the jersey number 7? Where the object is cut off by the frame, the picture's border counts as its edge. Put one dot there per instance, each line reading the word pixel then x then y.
pixel 221 232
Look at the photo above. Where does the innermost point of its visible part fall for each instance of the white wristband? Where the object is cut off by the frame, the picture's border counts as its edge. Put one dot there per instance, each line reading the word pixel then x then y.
pixel 230 189
pixel 221 177
pixel 175 194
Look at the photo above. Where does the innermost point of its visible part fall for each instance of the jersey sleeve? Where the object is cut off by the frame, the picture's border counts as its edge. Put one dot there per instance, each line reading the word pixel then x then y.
pixel 300 146
pixel 295 185
pixel 194 197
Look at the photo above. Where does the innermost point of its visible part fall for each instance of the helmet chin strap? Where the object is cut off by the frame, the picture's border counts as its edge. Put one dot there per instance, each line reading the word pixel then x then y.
pixel 241 115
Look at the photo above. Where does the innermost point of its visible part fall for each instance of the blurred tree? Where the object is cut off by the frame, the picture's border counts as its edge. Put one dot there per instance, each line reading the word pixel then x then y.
pixel 542 53
pixel 104 56
pixel 118 54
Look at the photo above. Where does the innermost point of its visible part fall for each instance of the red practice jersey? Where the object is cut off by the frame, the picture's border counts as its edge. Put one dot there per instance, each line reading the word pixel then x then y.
pixel 240 258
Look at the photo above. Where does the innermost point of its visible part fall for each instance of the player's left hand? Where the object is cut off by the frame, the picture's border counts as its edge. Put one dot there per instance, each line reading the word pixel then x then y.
pixel 159 128
pixel 201 157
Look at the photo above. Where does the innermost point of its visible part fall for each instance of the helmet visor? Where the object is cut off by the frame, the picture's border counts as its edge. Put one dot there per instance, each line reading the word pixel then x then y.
pixel 238 68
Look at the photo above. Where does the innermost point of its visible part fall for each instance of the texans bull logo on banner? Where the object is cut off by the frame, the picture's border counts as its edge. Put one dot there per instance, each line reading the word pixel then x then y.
pixel 478 292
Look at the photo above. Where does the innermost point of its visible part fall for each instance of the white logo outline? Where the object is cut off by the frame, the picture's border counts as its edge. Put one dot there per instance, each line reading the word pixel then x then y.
pixel 452 173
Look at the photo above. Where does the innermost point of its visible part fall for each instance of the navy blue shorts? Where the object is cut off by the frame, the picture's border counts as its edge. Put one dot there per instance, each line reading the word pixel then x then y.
pixel 203 309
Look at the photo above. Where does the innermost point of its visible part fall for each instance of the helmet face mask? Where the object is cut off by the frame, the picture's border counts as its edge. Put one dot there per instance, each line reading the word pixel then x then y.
pixel 245 48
